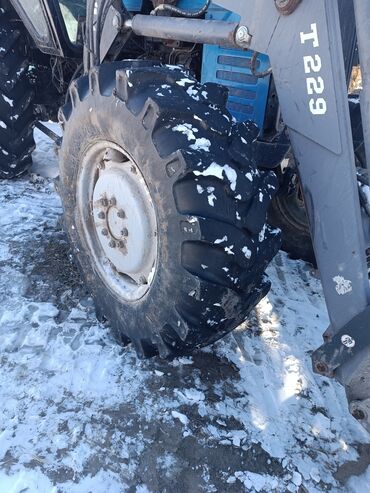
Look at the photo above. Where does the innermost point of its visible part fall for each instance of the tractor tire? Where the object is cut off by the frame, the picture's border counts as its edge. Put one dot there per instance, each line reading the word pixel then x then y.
pixel 288 211
pixel 198 232
pixel 16 99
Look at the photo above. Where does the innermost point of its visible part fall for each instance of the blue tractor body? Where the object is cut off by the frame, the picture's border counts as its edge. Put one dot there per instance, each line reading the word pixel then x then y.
pixel 229 67
pixel 232 68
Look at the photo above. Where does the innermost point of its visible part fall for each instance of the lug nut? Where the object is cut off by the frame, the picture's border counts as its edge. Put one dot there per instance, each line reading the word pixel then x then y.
pixel 124 232
pixel 104 202
pixel 101 215
pixel 113 201
pixel 121 244
pixel 104 232
pixel 121 214
pixel 112 244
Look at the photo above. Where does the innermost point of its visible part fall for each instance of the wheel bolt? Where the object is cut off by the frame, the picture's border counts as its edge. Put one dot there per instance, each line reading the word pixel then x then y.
pixel 321 367
pixel 121 214
pixel 358 414
pixel 124 232
pixel 112 244
pixel 101 215
pixel 104 232
pixel 121 244
pixel 104 202
pixel 113 201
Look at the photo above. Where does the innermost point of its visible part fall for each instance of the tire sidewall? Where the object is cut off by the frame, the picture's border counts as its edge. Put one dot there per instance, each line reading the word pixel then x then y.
pixel 99 118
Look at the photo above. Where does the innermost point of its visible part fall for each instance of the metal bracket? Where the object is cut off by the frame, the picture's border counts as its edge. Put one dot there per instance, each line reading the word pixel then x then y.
pixel 338 349
pixel 112 27
pixel 95 51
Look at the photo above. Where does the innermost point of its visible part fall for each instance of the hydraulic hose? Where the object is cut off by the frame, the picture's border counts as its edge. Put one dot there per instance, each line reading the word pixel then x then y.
pixel 180 12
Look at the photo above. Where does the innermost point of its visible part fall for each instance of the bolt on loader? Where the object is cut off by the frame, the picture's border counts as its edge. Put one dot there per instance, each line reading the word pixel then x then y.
pixel 197 136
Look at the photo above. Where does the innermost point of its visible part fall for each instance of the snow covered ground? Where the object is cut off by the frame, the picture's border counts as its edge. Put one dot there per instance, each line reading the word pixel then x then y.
pixel 80 414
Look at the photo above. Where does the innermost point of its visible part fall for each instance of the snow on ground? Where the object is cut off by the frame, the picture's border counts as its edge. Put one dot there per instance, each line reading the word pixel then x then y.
pixel 80 414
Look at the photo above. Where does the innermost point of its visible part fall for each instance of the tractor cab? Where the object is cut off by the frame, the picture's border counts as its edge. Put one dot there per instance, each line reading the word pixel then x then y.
pixel 74 13
pixel 55 25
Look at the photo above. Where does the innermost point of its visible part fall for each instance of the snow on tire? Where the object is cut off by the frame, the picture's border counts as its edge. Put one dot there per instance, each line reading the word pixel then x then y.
pixel 210 200
pixel 16 98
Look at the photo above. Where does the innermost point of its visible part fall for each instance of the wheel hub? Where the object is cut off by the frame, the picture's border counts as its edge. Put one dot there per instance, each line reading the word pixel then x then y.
pixel 123 216
pixel 124 236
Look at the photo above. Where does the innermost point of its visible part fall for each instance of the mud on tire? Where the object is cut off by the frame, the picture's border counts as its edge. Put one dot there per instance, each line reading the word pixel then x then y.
pixel 16 97
pixel 210 202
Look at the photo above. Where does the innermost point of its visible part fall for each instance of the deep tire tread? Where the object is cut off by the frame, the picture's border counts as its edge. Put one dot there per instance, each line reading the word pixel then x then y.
pixel 228 275
pixel 16 97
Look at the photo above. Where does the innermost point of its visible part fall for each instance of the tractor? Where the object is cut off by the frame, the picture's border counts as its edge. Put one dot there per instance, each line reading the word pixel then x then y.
pixel 197 137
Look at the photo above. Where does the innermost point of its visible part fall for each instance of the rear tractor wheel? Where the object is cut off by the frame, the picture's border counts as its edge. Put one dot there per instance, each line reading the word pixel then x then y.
pixel 16 99
pixel 164 206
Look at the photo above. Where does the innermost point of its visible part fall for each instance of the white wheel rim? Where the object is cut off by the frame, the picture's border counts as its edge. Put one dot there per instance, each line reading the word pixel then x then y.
pixel 118 220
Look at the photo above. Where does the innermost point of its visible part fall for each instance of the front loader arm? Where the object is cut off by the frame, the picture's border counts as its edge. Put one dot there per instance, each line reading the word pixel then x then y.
pixel 306 55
